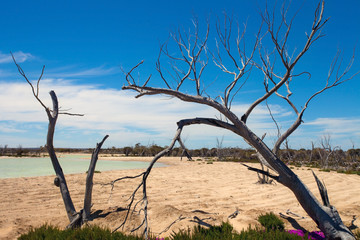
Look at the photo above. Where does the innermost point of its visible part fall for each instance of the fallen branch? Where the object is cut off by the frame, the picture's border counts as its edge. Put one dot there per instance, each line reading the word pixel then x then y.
pixel 234 214
pixel 131 208
pixel 180 218
pixel 261 171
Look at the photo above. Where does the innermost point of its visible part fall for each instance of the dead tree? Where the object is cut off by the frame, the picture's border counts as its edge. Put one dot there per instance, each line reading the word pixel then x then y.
pixel 220 149
pixel 76 218
pixel 133 204
pixel 326 152
pixel 236 60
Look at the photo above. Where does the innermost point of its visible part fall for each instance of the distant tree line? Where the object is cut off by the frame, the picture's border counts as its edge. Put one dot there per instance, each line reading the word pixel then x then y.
pixel 36 152
pixel 324 157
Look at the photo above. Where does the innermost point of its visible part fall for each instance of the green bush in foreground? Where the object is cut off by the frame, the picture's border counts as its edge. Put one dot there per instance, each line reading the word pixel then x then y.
pixel 271 222
pixel 47 232
pixel 223 232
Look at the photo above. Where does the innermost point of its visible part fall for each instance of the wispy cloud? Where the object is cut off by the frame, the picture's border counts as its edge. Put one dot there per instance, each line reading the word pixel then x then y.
pixel 19 56
pixel 343 132
pixel 118 113
pixel 148 119
pixel 71 72
pixel 337 125
pixel 9 128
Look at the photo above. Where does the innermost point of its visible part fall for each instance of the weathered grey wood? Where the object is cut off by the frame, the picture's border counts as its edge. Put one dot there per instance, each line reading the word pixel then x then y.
pixel 76 218
pixel 89 180
pixel 325 216
pixel 52 116
pixel 144 175
pixel 323 191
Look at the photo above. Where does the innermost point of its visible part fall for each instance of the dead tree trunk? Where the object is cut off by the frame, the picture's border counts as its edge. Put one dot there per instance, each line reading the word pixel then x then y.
pixel 89 180
pixel 76 218
pixel 131 208
pixel 59 180
pixel 278 75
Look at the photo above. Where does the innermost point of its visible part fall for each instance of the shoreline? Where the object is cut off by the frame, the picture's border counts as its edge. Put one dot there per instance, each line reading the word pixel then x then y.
pixel 102 158
pixel 193 190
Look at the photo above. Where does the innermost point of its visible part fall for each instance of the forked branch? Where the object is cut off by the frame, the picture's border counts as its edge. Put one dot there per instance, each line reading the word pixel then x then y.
pixel 76 218
pixel 131 208
pixel 339 78
pixel 241 61
pixel 282 50
pixel 89 180
pixel 22 73
pixel 324 215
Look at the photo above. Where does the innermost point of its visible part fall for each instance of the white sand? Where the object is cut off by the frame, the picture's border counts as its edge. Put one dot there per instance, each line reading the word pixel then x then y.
pixel 190 190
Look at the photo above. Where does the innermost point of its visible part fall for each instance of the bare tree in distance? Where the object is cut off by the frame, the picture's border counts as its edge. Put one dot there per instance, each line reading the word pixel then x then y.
pixel 328 153
pixel 220 148
pixel 270 55
pixel 76 218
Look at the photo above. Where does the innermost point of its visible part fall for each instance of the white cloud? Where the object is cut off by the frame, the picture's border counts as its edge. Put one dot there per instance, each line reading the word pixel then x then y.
pixel 337 125
pixel 147 119
pixel 19 56
pixel 9 128
pixel 343 132
pixel 117 112
pixel 69 72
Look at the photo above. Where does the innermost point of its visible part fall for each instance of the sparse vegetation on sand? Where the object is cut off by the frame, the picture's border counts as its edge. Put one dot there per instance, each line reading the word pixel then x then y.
pixel 273 229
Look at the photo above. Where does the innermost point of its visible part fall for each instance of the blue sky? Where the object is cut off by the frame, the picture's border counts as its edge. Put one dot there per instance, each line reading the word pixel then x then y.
pixel 84 44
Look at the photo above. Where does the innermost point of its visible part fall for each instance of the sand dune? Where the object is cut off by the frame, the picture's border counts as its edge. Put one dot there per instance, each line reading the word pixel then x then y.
pixel 184 193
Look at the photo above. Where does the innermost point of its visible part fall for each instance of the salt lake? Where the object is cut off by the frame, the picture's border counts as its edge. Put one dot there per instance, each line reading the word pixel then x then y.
pixel 31 167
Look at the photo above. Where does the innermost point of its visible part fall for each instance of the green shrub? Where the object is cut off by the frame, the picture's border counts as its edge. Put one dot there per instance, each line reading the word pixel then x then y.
pixel 271 222
pixel 225 232
pixel 222 232
pixel 348 172
pixel 96 171
pixel 47 232
pixel 258 234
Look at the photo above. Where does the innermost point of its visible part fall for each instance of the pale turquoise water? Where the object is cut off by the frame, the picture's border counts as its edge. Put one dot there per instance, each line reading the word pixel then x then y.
pixel 31 167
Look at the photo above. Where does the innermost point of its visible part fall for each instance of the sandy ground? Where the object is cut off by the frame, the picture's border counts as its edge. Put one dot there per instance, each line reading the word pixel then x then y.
pixel 181 195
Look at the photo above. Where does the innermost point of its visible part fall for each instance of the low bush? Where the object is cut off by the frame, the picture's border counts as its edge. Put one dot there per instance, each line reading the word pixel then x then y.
pixel 348 172
pixel 47 232
pixel 274 230
pixel 223 232
pixel 271 222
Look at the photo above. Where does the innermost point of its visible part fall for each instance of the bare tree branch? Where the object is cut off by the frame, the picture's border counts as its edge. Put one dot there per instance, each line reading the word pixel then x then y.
pixel 144 175
pixel 89 180
pixel 282 52
pixel 323 191
pixel 76 218
pixel 245 65
pixel 340 78
pixel 324 215
pixel 22 73
pixel 260 171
